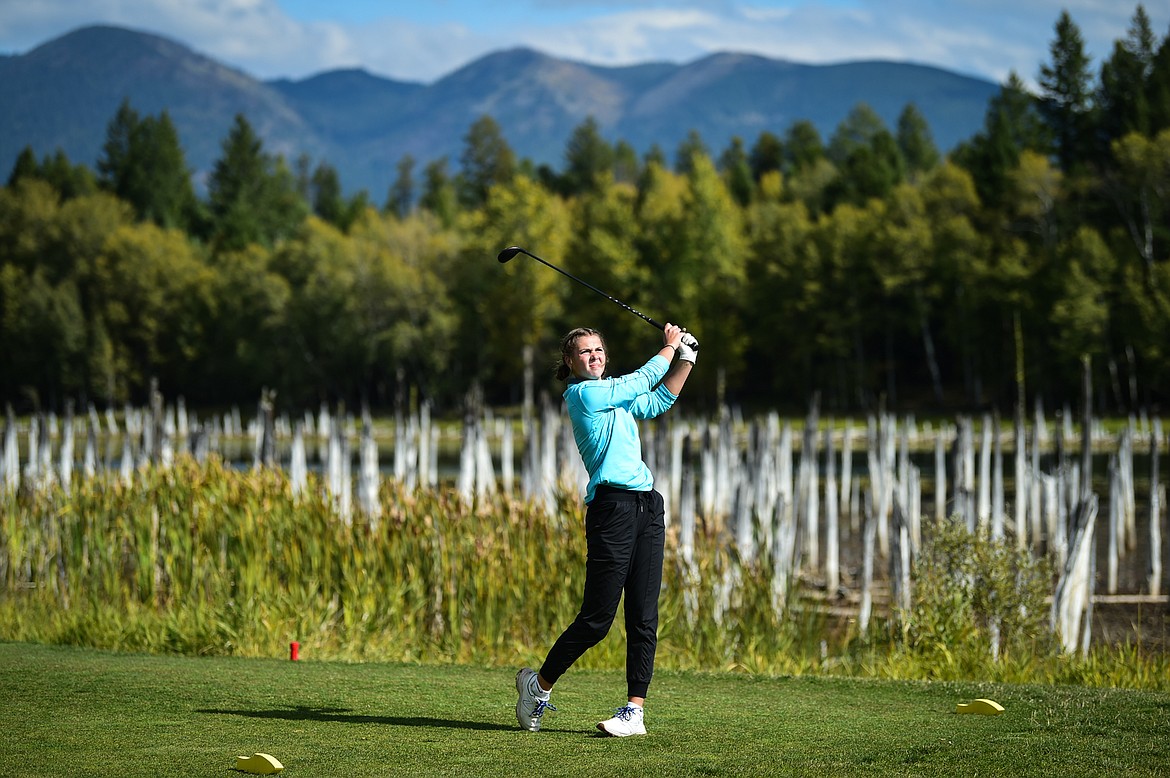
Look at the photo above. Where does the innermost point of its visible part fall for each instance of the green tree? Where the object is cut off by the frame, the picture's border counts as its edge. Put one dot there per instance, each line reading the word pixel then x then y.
pixel 588 157
pixel 803 147
pixel 249 342
pixel 766 156
pixel 29 213
pixel 688 150
pixel 787 295
pixel 1158 88
pixel 702 282
pixel 142 163
pixel 252 195
pixel 439 195
pixel 1066 94
pixel 318 265
pixel 1011 126
pixel 915 141
pixel 653 155
pixel 25 167
pixel 400 200
pixel 867 157
pixel 487 160
pixel 155 297
pixel 1080 311
pixel 659 212
pixel 42 337
pixel 855 132
pixel 1145 320
pixel 625 163
pixel 67 180
pixel 1122 97
pixel 117 152
pixel 358 309
pixel 902 257
pixel 848 288
pixel 70 180
pixel 1036 188
pixel 966 298
pixel 809 171
pixel 510 308
pixel 737 172
pixel 604 250
pixel 171 201
pixel 326 197
pixel 1139 185
pixel 426 332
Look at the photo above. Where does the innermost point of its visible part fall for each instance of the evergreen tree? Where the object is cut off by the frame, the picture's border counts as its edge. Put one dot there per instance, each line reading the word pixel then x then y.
pixel 867 156
pixel 303 172
pixel 400 199
pixel 588 157
pixel 654 155
pixel 1122 98
pixel 915 141
pixel 143 164
pixel 117 154
pixel 487 160
pixel 168 198
pixel 327 200
pixel 803 147
pixel 26 167
pixel 737 172
pixel 809 175
pixel 625 163
pixel 856 131
pixel 71 181
pixel 688 149
pixel 766 156
pixel 1066 94
pixel 1011 126
pixel 1158 88
pixel 252 196
pixel 439 195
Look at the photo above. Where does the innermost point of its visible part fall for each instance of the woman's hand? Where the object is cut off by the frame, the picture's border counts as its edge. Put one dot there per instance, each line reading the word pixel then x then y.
pixel 672 336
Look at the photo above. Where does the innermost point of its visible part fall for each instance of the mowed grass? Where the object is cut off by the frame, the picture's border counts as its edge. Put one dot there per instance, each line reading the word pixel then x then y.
pixel 73 711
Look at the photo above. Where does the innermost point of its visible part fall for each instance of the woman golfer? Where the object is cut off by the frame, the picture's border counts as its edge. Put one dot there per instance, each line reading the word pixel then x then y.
pixel 624 518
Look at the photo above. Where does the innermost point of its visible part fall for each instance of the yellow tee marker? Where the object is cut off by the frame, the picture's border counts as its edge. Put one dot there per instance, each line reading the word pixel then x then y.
pixel 982 707
pixel 260 764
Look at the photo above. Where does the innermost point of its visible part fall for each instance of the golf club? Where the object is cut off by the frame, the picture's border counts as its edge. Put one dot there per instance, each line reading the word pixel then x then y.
pixel 510 252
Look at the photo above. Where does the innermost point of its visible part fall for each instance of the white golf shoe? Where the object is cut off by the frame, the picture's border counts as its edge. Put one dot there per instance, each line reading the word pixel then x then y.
pixel 627 721
pixel 533 701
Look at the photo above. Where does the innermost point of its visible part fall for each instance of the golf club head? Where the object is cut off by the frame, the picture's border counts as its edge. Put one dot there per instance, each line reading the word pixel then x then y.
pixel 508 253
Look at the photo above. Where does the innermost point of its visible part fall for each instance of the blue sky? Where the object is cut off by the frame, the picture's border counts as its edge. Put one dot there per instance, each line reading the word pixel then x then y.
pixel 423 40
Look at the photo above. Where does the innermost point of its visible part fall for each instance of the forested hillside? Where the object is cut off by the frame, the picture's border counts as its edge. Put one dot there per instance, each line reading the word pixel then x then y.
pixel 863 266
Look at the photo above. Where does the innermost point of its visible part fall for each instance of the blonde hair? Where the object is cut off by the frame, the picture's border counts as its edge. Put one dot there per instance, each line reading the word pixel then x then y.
pixel 568 344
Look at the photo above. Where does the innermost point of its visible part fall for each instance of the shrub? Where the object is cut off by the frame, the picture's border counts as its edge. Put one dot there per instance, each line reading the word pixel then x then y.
pixel 975 599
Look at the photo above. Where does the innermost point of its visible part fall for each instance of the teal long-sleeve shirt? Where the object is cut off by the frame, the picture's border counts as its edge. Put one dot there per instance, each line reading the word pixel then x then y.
pixel 604 413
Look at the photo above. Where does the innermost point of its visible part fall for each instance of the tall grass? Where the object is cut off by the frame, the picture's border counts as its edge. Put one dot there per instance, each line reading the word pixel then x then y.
pixel 204 559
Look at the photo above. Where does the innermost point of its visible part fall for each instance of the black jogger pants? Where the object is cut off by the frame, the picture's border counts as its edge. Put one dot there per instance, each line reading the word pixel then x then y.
pixel 625 532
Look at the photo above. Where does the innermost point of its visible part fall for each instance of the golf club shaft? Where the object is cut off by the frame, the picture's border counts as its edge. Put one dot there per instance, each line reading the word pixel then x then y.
pixel 508 253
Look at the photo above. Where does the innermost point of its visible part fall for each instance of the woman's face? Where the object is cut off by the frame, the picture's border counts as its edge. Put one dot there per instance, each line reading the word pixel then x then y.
pixel 587 359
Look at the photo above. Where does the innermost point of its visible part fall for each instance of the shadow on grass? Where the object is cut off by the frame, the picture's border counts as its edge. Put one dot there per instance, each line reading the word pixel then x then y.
pixel 345 716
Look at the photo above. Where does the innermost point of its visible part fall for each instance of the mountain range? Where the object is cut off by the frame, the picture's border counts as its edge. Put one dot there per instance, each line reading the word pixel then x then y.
pixel 63 94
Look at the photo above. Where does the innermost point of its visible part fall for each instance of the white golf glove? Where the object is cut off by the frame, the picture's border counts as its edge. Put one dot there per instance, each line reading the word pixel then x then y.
pixel 689 350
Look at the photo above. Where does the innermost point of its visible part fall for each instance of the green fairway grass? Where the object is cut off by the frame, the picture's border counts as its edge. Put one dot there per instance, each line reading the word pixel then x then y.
pixel 71 711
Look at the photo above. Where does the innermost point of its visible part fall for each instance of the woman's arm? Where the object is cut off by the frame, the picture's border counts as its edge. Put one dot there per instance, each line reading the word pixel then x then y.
pixel 677 376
